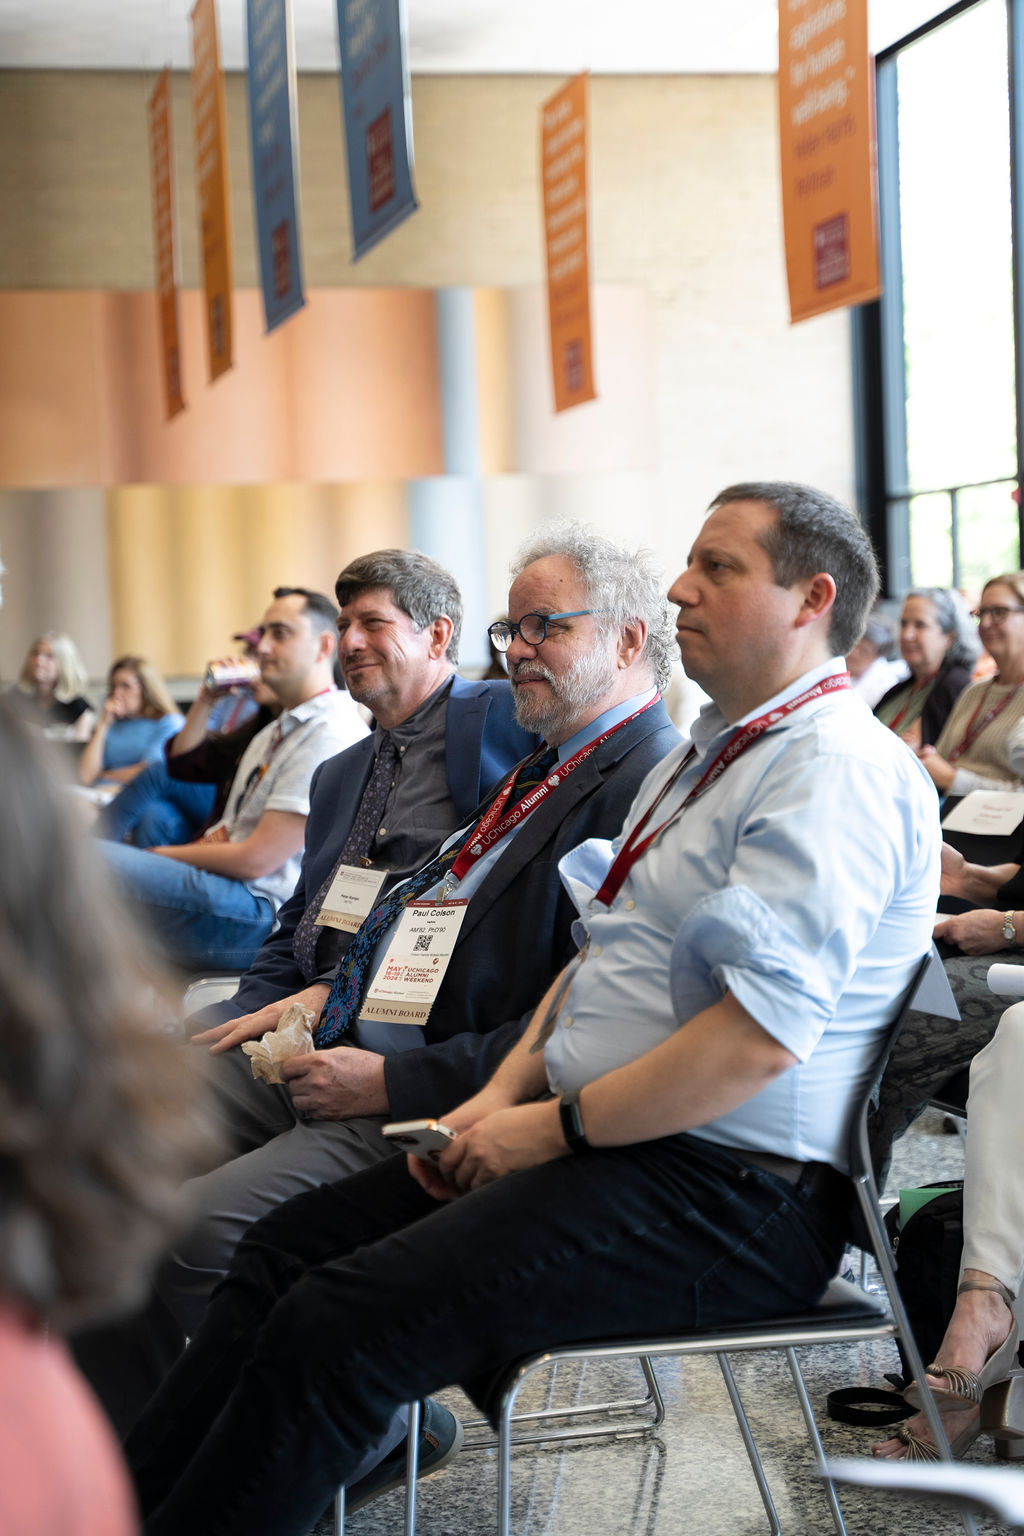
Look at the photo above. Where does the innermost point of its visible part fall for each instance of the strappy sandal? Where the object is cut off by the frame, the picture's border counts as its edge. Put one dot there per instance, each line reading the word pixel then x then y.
pixel 967 1388
pixel 923 1450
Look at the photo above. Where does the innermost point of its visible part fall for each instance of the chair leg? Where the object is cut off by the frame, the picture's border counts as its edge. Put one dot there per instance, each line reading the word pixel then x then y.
pixel 748 1442
pixel 654 1391
pixel 632 1406
pixel 412 1467
pixel 505 1459
pixel 815 1439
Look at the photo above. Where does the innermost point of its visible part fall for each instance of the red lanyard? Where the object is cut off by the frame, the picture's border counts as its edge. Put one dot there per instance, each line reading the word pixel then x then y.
pixel 492 826
pixel 259 772
pixel 972 733
pixel 897 720
pixel 634 847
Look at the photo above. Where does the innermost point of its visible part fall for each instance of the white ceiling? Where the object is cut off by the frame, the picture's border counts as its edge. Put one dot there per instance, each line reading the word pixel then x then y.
pixel 445 36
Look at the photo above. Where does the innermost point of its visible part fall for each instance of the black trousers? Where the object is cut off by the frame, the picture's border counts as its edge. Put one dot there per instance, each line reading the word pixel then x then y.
pixel 362 1295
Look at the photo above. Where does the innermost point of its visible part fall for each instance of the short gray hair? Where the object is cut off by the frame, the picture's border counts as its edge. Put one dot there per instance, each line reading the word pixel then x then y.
pixel 423 590
pixel 815 532
pixel 953 619
pixel 621 585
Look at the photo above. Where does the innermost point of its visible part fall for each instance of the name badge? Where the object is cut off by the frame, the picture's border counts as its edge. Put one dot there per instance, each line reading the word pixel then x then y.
pixel 409 979
pixel 352 895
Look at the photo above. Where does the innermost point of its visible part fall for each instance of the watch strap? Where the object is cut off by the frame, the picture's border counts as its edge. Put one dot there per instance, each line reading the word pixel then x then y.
pixel 572 1122
pixel 1009 931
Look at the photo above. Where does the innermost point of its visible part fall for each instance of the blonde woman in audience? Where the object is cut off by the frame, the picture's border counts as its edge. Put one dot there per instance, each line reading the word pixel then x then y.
pixel 972 751
pixel 97 1129
pixel 939 644
pixel 137 717
pixel 51 690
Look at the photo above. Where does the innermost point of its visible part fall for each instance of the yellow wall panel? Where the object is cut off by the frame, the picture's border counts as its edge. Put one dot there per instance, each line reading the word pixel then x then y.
pixel 190 566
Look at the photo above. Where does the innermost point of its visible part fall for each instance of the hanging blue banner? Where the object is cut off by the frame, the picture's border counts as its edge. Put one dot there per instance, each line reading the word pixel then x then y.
pixel 274 137
pixel 377 106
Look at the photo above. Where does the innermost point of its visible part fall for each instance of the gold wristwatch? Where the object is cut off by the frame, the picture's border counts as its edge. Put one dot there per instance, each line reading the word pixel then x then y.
pixel 1009 931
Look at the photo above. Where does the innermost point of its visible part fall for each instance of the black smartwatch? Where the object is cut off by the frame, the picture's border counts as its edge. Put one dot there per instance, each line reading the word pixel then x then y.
pixel 572 1121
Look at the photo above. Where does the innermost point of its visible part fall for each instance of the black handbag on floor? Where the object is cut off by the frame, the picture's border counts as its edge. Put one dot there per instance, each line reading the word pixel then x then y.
pixel 927 1253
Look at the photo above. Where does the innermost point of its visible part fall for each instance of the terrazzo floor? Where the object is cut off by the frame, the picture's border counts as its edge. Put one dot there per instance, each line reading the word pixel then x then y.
pixel 692 1476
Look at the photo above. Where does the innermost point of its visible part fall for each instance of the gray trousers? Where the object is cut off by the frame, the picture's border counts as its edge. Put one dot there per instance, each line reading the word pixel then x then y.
pixel 931 1050
pixel 277 1155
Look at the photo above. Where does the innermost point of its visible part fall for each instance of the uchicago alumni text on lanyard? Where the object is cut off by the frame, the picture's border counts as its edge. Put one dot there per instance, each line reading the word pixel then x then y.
pixel 635 845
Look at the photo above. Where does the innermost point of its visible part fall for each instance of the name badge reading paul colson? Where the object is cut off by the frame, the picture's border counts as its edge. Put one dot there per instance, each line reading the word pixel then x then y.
pixel 351 897
pixel 409 979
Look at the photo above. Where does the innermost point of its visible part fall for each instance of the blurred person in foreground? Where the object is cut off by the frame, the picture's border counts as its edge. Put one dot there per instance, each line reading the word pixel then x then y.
pixel 96 1129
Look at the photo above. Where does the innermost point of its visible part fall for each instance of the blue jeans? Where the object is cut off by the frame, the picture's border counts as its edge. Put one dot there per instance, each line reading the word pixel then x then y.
pixel 364 1294
pixel 199 919
pixel 156 810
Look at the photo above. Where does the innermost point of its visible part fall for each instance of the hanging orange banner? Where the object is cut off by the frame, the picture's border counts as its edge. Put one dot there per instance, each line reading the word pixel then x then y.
pixel 827 142
pixel 563 166
pixel 208 121
pixel 161 163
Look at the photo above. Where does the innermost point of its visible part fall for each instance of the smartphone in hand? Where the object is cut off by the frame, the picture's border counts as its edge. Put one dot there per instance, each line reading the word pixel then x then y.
pixel 424 1138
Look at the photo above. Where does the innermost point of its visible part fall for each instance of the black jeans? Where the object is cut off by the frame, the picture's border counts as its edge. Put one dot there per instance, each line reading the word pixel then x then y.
pixel 362 1295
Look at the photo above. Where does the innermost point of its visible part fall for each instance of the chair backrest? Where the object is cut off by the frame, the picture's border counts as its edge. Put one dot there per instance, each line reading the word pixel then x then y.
pixel 929 990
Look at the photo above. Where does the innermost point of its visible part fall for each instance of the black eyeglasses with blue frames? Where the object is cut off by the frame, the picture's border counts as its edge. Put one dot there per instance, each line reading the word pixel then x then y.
pixel 532 628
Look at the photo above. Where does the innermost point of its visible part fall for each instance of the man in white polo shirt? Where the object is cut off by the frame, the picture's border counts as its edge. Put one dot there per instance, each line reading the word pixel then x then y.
pixel 214 901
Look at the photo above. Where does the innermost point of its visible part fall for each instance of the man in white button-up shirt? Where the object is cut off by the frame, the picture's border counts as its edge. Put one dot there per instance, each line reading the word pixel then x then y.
pixel 672 1157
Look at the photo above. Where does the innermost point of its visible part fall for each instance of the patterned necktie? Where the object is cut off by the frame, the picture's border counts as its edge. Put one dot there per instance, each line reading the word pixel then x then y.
pixel 358 845
pixel 346 994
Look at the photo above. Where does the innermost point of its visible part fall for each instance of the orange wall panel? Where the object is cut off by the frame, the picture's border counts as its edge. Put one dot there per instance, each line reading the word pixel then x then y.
pixel 348 390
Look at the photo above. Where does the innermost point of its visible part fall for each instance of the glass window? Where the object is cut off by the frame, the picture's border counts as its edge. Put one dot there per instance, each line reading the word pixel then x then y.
pixel 949 371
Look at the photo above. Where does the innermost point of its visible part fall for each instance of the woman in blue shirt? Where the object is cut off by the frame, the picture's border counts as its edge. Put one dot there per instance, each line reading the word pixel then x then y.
pixel 137 717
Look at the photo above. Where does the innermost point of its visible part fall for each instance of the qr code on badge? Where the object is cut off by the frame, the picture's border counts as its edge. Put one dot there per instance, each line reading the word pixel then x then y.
pixel 423 941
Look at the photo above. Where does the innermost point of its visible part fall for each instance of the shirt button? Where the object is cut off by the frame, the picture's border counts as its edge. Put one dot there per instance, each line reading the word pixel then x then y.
pixel 401 750
pixel 568 1021
pixel 629 905
pixel 596 950
pixel 382 831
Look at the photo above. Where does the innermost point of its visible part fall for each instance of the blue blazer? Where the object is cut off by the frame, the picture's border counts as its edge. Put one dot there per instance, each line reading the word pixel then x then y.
pixel 482 741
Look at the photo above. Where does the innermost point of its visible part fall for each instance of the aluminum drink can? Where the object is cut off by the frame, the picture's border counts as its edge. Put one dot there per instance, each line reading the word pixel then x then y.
pixel 221 675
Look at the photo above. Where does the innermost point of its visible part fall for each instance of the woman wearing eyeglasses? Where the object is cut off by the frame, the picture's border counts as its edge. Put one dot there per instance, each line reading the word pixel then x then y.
pixel 972 751
pixel 939 645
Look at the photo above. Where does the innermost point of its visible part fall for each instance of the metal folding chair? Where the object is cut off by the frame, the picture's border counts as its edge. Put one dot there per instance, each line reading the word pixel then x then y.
pixel 846 1314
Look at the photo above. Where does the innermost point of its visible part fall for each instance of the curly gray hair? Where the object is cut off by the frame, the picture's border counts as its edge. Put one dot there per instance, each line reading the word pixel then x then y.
pixel 621 585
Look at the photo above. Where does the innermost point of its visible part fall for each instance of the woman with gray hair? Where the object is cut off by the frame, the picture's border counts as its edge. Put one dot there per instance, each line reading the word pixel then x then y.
pixel 940 646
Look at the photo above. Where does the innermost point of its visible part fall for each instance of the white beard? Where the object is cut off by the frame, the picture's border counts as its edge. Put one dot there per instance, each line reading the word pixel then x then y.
pixel 583 683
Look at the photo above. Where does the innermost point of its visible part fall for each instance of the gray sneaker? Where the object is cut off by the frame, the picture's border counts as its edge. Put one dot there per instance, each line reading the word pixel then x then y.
pixel 441 1436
